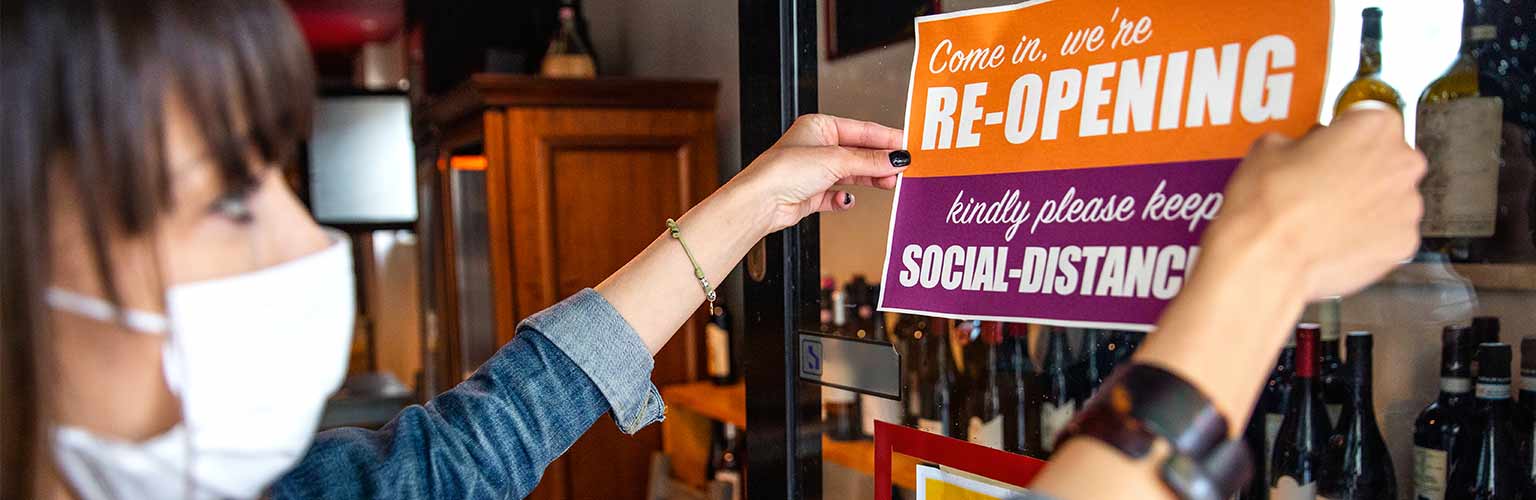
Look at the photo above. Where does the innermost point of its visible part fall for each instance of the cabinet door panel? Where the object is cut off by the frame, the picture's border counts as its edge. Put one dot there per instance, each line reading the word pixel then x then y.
pixel 589 190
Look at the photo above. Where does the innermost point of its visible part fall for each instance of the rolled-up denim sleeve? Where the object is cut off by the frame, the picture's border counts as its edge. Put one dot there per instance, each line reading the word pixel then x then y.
pixel 587 329
pixel 492 435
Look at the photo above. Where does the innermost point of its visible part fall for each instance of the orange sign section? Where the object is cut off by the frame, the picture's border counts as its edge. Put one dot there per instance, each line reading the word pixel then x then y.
pixel 1067 84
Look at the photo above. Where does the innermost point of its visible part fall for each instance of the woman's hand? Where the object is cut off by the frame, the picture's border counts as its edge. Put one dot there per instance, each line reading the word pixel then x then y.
pixel 795 177
pixel 1323 215
pixel 1342 200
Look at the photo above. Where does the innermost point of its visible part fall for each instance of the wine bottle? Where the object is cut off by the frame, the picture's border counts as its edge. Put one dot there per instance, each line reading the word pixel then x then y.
pixel 827 284
pixel 1298 455
pixel 1358 465
pixel 1528 413
pixel 1092 370
pixel 1115 345
pixel 1508 71
pixel 725 464
pixel 938 408
pixel 870 325
pixel 986 422
pixel 912 330
pixel 1436 429
pixel 841 407
pixel 583 32
pixel 1059 401
pixel 1367 85
pixel 568 55
pixel 861 303
pixel 1459 132
pixel 1485 465
pixel 1021 429
pixel 721 346
pixel 1330 369
pixel 962 347
pixel 1130 342
pixel 1268 414
pixel 1485 329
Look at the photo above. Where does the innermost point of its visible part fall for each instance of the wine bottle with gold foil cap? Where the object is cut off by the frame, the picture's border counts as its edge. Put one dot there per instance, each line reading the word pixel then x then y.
pixel 1368 85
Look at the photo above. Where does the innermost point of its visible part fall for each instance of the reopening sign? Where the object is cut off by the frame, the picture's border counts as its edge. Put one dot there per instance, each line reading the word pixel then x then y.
pixel 1067 154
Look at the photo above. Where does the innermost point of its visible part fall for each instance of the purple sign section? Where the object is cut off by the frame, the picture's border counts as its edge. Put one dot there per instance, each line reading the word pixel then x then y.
pixel 1096 247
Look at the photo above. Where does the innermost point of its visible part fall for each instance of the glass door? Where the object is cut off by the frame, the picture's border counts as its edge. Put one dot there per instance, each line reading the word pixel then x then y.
pixel 825 365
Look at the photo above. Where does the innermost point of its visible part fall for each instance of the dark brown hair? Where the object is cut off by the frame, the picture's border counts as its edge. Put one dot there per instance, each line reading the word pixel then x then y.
pixel 82 90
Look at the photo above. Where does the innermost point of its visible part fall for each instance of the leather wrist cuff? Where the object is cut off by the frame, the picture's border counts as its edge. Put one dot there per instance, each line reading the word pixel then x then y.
pixel 1140 404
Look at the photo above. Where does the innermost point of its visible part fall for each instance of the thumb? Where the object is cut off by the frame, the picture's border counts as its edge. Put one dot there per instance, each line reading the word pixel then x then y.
pixel 845 162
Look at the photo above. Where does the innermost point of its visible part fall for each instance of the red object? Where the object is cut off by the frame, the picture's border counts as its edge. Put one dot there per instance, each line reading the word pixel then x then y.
pixel 1306 350
pixel 1017 470
pixel 992 332
pixel 344 25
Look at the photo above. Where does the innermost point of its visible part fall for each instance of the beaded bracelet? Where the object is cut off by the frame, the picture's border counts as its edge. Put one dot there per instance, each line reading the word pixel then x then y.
pixel 698 272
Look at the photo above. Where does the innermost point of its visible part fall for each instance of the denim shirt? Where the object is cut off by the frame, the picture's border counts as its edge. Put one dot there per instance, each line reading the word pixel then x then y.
pixel 492 435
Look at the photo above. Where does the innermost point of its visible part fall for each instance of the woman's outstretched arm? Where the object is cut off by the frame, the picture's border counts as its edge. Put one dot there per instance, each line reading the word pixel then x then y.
pixel 657 291
pixel 1324 215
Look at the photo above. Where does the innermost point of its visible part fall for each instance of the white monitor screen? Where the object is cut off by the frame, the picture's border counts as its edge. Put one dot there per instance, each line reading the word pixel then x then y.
pixel 362 161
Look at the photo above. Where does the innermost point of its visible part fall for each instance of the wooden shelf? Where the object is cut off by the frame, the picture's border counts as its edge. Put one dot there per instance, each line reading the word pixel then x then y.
pixel 729 404
pixel 725 403
pixel 860 456
pixel 1502 277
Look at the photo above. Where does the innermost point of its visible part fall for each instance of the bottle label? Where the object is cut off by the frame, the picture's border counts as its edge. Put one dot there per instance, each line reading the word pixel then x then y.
pixel 1429 469
pixel 1455 385
pixel 834 395
pixel 1052 419
pixel 1482 32
pixel 1333 413
pixel 1288 489
pixel 718 342
pixel 1272 423
pixel 731 478
pixel 1460 138
pixel 930 426
pixel 1493 391
pixel 568 66
pixel 988 434
pixel 878 408
pixel 1528 382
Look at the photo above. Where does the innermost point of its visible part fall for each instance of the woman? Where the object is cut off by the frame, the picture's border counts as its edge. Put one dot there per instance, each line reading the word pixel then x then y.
pixel 173 319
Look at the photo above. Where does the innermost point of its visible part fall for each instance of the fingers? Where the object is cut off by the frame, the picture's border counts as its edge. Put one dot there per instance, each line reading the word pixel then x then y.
pixel 887 183
pixel 835 201
pixel 1371 117
pixel 828 130
pixel 845 162
pixel 862 134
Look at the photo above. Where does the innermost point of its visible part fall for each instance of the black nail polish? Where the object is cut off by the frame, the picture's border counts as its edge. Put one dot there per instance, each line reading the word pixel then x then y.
pixel 900 158
pixel 847 199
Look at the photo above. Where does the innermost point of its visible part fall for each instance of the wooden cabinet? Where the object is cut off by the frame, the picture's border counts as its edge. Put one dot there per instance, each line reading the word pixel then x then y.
pixel 577 176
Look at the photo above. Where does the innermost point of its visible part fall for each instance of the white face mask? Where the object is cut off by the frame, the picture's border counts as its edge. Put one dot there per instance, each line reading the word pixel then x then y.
pixel 252 357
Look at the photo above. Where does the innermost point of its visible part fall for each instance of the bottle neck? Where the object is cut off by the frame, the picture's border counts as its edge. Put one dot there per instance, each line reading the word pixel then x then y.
pixel 1493 391
pixel 1301 388
pixel 1528 387
pixel 1306 359
pixel 1477 27
pixel 1056 352
pixel 1360 379
pixel 1454 387
pixel 1370 47
pixel 1370 58
pixel 1455 374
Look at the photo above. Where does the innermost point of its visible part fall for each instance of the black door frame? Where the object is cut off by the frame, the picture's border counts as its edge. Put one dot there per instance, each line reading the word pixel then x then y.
pixel 778 84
